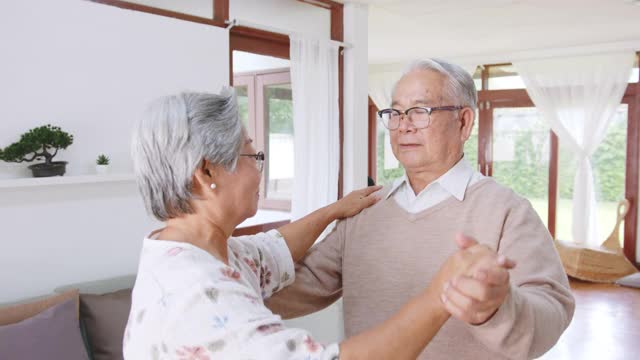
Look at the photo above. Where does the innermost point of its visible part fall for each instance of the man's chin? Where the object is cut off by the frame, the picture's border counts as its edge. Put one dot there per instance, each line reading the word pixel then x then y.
pixel 411 162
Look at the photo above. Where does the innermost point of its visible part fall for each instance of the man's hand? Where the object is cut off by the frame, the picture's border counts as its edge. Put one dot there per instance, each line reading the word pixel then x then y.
pixel 474 298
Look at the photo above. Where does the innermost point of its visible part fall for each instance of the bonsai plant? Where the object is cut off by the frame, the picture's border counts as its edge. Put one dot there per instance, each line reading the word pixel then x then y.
pixel 38 143
pixel 102 164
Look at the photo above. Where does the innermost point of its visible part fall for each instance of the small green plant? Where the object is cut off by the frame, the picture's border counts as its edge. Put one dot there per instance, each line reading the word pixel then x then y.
pixel 37 143
pixel 102 160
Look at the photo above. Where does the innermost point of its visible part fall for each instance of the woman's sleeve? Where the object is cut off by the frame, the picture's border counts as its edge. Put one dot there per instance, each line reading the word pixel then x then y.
pixel 225 320
pixel 274 342
pixel 269 257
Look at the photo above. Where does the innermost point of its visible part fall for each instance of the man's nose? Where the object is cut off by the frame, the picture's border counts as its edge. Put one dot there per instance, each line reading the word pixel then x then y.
pixel 405 124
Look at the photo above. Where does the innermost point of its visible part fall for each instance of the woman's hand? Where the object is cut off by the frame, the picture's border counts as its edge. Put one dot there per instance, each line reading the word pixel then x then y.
pixel 473 282
pixel 300 234
pixel 353 203
pixel 475 296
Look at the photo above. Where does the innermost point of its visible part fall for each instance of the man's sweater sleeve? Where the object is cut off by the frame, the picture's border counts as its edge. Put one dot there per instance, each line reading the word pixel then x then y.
pixel 539 306
pixel 318 278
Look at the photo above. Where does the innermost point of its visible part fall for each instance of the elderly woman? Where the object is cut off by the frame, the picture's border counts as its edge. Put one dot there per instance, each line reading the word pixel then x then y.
pixel 199 291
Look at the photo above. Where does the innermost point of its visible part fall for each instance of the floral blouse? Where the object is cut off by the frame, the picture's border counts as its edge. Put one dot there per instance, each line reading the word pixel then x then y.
pixel 188 305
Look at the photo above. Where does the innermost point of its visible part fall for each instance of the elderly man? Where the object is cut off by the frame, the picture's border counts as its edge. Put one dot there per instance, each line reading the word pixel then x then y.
pixel 386 254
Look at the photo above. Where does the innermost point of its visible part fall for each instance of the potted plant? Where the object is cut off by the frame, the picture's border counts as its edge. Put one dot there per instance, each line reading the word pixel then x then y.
pixel 37 143
pixel 102 164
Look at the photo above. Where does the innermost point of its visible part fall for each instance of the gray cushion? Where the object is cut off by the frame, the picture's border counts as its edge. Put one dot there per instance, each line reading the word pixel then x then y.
pixel 104 318
pixel 52 334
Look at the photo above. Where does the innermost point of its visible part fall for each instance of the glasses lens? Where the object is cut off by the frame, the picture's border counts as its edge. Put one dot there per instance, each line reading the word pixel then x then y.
pixel 389 118
pixel 419 117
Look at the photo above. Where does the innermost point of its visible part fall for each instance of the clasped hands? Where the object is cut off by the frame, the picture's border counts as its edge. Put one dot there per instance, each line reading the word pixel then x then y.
pixel 475 281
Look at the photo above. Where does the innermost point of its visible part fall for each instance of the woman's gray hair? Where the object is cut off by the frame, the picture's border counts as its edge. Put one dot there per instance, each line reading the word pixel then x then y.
pixel 459 86
pixel 173 138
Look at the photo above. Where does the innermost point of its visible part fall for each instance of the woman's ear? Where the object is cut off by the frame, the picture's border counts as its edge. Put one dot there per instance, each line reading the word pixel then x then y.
pixel 203 176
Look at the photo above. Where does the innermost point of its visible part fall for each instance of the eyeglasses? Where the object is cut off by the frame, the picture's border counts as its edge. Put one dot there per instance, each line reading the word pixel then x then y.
pixel 259 157
pixel 419 116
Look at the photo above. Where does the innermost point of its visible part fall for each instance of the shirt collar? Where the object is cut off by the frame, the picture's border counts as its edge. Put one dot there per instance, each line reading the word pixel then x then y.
pixel 454 181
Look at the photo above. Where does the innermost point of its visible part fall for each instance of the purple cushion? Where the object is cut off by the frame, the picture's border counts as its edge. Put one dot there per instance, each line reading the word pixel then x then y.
pixel 52 334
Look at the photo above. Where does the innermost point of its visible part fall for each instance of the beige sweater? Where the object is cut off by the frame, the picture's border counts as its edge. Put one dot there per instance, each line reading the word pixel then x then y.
pixel 380 258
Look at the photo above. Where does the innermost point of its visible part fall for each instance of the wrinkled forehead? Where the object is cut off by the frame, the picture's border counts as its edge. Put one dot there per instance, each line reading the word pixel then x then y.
pixel 421 87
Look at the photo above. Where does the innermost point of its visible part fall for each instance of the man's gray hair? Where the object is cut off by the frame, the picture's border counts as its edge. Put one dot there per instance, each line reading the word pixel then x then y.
pixel 459 85
pixel 173 138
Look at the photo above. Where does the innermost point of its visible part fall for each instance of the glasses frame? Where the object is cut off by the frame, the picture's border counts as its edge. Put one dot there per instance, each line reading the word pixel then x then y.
pixel 259 157
pixel 405 113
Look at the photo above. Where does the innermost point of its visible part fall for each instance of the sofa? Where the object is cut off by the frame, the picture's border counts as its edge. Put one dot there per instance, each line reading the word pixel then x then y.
pixel 79 321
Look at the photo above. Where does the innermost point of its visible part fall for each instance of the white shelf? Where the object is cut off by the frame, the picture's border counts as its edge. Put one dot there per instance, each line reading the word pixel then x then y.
pixel 64 180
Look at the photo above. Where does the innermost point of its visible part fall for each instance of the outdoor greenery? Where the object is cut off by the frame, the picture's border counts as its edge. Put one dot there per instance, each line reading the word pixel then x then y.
pixel 527 174
pixel 35 144
pixel 385 176
pixel 280 116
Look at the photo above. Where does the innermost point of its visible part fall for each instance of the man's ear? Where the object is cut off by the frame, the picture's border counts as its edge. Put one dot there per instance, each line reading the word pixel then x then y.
pixel 467 118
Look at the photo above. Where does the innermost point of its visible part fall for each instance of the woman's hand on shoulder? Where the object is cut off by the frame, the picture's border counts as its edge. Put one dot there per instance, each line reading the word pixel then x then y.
pixel 355 202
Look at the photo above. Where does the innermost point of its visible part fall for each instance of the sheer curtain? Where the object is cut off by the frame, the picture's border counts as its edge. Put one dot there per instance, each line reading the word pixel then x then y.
pixel 578 97
pixel 314 84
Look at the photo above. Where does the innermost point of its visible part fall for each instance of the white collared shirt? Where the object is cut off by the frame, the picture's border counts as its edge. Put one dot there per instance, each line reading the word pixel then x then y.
pixel 452 183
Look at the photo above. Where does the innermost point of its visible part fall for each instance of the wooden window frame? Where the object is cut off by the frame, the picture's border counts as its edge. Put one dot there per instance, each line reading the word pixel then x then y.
pixel 218 18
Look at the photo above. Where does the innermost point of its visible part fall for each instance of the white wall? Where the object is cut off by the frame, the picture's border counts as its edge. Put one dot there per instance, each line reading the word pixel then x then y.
pixel 356 101
pixel 91 69
pixel 201 8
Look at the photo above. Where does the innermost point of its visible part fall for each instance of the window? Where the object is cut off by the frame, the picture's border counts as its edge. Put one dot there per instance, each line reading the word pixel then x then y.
pixel 279 127
pixel 265 107
pixel 388 167
pixel 520 154
pixel 242 94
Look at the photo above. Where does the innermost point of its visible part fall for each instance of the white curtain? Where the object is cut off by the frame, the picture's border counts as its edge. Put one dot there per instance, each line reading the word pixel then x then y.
pixel 314 84
pixel 578 97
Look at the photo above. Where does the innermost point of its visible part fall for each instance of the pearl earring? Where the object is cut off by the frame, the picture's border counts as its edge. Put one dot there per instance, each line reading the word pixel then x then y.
pixel 213 186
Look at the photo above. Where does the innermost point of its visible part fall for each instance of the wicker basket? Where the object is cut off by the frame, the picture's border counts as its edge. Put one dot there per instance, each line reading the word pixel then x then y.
pixel 605 263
